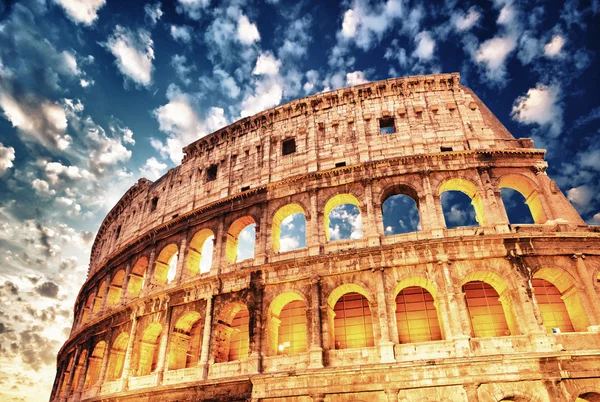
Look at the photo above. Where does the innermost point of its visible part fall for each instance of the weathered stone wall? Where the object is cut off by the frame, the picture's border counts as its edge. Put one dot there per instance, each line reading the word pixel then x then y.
pixel 445 139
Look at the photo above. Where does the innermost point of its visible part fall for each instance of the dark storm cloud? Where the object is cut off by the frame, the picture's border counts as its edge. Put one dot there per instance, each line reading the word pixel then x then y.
pixel 36 350
pixel 48 289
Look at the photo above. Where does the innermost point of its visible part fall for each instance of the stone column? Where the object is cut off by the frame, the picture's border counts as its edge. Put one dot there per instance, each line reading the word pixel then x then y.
pixel 435 216
pixel 149 272
pixel 124 292
pixel 219 243
pixel 460 326
pixel 471 390
pixel 371 233
pixel 164 339
pixel 262 242
pixel 182 256
pixel 318 397
pixel 586 280
pixel 316 336
pixel 255 307
pixel 206 336
pixel 129 351
pixel 84 370
pixel 494 216
pixel 68 389
pixel 313 230
pixel 386 346
pixel 104 364
pixel 104 297
pixel 391 394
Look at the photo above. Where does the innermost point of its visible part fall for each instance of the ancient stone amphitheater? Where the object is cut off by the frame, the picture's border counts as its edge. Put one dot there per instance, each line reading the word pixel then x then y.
pixel 498 312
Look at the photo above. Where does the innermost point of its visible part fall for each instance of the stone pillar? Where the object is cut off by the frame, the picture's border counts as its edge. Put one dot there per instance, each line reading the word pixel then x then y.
pixel 391 394
pixel 125 292
pixel 316 336
pixel 68 389
pixel 255 307
pixel 206 336
pixel 435 215
pixel 262 242
pixel 313 229
pixel 84 370
pixel 149 272
pixel 471 390
pixel 494 216
pixel 372 233
pixel 318 397
pixel 460 325
pixel 182 256
pixel 219 242
pixel 129 351
pixel 386 346
pixel 164 339
pixel 104 364
pixel 587 282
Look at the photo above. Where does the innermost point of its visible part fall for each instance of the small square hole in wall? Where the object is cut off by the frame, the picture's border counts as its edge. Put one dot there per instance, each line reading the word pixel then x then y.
pixel 211 173
pixel 245 188
pixel 386 125
pixel 288 146
pixel 446 149
pixel 340 164
pixel 118 232
pixel 153 204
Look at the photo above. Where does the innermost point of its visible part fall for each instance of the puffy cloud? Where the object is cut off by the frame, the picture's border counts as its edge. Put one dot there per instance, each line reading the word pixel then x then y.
pixel 541 106
pixel 181 33
pixel 297 38
pixel 581 196
pixel 48 289
pixel 227 83
pixel 153 12
pixel 82 11
pixel 42 188
pixel 464 22
pixel 554 47
pixel 595 220
pixel 153 169
pixel 425 46
pixel 266 64
pixel 181 69
pixel 134 53
pixel 192 8
pixel 365 24
pixel 349 24
pixel 7 156
pixel 288 243
pixel 356 78
pixel 247 33
pixel 493 54
pixel 312 78
pixel 267 93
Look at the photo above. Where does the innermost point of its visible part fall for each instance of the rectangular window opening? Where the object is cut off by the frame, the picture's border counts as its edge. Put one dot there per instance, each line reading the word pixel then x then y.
pixel 211 173
pixel 245 188
pixel 446 149
pixel 153 204
pixel 288 146
pixel 386 125
pixel 340 164
pixel 118 233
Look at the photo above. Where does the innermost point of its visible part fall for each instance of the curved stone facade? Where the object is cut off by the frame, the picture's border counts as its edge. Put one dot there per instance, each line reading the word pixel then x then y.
pixel 496 312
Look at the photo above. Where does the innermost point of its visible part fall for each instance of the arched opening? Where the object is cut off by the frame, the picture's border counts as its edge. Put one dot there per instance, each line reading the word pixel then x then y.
pixel 486 312
pixel 400 211
pixel 116 288
pixel 186 341
pixel 79 370
pixel 137 277
pixel 352 321
pixel 461 204
pixel 66 374
pixel 343 218
pixel 232 334
pixel 117 357
pixel 165 267
pixel 94 365
pixel 289 228
pixel 87 309
pixel 98 298
pixel 200 250
pixel 550 281
pixel 148 349
pixel 241 238
pixel 417 316
pixel 517 207
pixel 589 397
pixel 287 325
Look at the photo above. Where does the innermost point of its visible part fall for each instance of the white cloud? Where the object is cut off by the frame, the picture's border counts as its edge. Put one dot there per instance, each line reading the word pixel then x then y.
pixel 181 69
pixel 356 78
pixel 288 243
pixel 153 169
pixel 581 196
pixel 266 65
pixel 464 22
pixel 247 33
pixel 82 11
pixel 540 106
pixel 554 47
pixel 595 220
pixel 7 155
pixel 192 8
pixel 153 12
pixel 349 24
pixel 425 46
pixel 133 53
pixel 227 83
pixel 268 93
pixel 42 188
pixel 181 33
pixel 312 78
pixel 493 54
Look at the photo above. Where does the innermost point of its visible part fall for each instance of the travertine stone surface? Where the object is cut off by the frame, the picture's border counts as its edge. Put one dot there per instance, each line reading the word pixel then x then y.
pixel 139 336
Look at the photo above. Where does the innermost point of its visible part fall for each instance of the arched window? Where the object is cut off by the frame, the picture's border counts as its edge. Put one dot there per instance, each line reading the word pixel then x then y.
pixel 515 206
pixel 416 316
pixel 148 349
pixel 87 309
pixel 241 238
pixel 521 200
pixel 461 203
pixel 98 298
pixel 287 325
pixel 117 357
pixel 186 341
pixel 232 334
pixel 94 365
pixel 116 288
pixel 200 250
pixel 589 397
pixel 137 277
pixel 552 307
pixel 165 267
pixel 353 322
pixel 289 228
pixel 342 218
pixel 485 310
pixel 79 370
pixel 400 211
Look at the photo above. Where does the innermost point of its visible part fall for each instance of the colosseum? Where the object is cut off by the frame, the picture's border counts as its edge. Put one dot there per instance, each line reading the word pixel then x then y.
pixel 498 312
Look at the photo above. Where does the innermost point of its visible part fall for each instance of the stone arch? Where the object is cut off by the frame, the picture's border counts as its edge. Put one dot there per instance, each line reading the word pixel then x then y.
pixel 98 299
pixel 166 264
pixel 335 201
pixel 287 323
pixel 527 189
pixel 231 334
pixel 195 250
pixel 94 364
pixel 148 349
pixel 503 320
pixel 470 189
pixel 417 310
pixel 591 396
pixel 87 308
pixel 350 317
pixel 400 190
pixel 115 290
pixel 116 359
pixel 186 341
pixel 570 294
pixel 137 277
pixel 231 246
pixel 79 367
pixel 282 213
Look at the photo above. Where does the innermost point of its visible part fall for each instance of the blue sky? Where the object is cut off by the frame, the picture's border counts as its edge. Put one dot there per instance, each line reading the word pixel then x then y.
pixel 95 94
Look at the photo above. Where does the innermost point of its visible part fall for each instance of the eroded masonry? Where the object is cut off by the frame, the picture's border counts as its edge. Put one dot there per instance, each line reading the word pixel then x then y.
pixel 497 312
